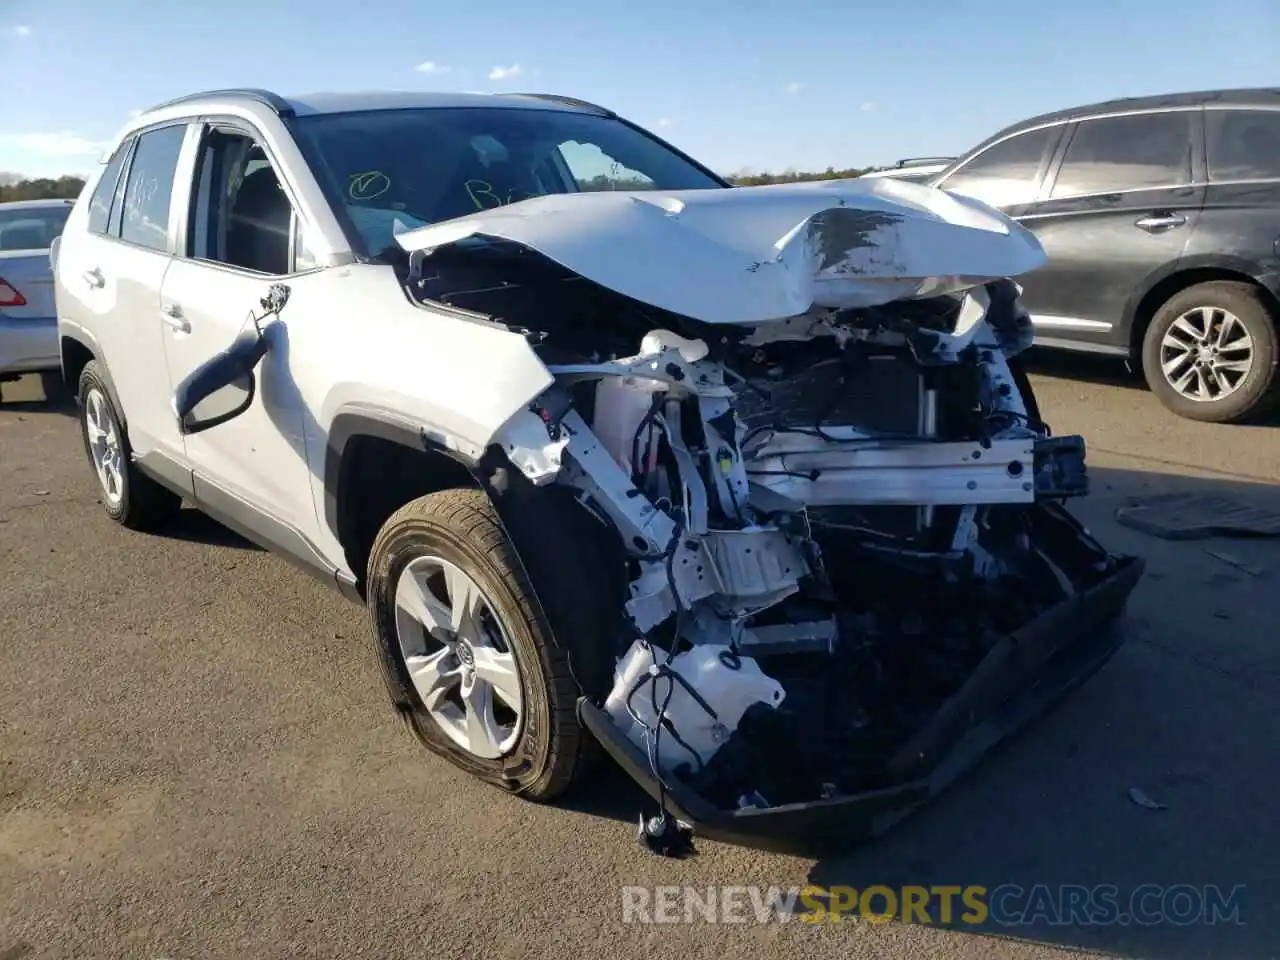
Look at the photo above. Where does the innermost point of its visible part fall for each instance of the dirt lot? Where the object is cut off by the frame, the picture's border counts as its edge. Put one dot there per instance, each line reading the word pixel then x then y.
pixel 197 759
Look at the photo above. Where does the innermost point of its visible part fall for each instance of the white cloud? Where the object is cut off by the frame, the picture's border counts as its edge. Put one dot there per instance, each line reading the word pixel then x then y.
pixel 664 122
pixel 430 66
pixel 22 30
pixel 63 143
pixel 793 88
pixel 505 73
pixel 868 106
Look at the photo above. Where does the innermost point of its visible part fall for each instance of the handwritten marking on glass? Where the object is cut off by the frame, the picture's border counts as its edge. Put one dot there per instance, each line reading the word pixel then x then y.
pixel 368 185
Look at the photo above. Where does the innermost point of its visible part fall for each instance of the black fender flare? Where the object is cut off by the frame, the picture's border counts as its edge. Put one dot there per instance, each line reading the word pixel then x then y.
pixel 85 339
pixel 384 424
pixel 1224 263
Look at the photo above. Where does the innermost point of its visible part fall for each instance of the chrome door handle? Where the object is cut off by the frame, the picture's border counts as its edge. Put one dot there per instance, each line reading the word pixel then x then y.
pixel 1161 222
pixel 171 314
pixel 94 278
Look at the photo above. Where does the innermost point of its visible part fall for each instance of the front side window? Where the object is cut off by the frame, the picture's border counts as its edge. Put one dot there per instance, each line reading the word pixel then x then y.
pixel 32 228
pixel 399 169
pixel 241 215
pixel 104 193
pixel 1243 144
pixel 1114 154
pixel 1004 174
pixel 148 192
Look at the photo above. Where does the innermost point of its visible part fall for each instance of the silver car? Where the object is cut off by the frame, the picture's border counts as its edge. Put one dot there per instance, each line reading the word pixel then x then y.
pixel 28 320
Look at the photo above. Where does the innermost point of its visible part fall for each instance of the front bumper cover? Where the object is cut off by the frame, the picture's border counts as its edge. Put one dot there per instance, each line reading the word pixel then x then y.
pixel 1020 678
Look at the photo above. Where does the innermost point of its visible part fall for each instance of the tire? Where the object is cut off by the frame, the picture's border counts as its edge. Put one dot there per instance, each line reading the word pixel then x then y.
pixel 132 499
pixel 1210 304
pixel 557 634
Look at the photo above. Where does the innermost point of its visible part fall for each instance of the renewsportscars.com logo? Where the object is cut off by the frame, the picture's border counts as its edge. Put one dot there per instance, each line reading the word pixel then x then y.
pixel 1007 905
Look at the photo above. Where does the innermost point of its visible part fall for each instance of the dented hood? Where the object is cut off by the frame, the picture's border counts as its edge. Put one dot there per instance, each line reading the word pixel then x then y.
pixel 755 254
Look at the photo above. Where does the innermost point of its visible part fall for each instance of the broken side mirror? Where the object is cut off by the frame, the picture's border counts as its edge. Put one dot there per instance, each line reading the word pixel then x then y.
pixel 223 387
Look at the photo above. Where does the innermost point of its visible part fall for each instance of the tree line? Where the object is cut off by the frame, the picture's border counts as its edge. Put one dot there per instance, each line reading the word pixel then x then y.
pixel 796 176
pixel 44 188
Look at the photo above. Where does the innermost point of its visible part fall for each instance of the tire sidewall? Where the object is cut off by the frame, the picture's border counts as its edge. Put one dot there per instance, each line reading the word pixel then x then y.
pixel 90 382
pixel 409 540
pixel 1251 312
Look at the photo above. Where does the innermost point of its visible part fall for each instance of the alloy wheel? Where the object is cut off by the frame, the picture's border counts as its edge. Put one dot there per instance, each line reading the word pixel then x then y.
pixel 1206 354
pixel 458 657
pixel 104 446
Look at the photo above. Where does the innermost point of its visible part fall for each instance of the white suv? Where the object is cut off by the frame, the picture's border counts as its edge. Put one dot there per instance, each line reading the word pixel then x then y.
pixel 739 484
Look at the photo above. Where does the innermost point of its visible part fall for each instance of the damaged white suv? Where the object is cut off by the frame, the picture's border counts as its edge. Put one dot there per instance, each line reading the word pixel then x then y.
pixel 738 484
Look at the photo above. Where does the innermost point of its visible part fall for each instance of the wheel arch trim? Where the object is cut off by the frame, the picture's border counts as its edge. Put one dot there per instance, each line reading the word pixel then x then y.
pixel 360 419
pixel 79 335
pixel 1186 272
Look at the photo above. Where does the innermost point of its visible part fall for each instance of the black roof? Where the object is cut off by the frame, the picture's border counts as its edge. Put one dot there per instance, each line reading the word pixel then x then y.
pixel 1244 97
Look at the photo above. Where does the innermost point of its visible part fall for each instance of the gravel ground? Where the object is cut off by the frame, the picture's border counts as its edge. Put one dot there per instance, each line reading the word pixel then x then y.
pixel 197 758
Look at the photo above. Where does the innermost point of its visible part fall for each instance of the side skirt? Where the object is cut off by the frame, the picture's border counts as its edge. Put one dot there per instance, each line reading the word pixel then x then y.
pixel 256 526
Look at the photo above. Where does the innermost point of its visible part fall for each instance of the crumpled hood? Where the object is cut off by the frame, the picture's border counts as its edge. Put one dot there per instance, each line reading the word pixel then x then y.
pixel 754 254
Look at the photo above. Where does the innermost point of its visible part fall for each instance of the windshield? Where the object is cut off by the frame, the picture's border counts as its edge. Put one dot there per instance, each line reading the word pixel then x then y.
pixel 31 228
pixel 393 170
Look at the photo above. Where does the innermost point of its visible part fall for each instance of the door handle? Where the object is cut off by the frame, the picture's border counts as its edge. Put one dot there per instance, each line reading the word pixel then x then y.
pixel 94 278
pixel 171 314
pixel 1160 222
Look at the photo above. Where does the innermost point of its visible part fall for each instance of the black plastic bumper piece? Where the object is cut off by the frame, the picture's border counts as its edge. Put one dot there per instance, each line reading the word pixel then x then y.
pixel 1023 676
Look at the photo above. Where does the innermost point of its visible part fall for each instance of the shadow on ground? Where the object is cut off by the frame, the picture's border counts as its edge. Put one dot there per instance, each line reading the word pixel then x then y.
pixel 1184 713
pixel 1109 372
pixel 28 395
pixel 193 526
pixel 1092 368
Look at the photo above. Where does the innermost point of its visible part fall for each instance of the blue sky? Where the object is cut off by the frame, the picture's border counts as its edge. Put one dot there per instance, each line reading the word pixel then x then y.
pixel 805 83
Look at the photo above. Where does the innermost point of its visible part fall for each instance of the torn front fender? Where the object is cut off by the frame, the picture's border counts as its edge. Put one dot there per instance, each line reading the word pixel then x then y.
pixel 759 254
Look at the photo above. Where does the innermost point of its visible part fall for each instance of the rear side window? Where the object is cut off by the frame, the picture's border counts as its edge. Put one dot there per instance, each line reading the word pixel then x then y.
pixel 149 189
pixel 105 191
pixel 1004 174
pixel 1243 144
pixel 1127 153
pixel 31 228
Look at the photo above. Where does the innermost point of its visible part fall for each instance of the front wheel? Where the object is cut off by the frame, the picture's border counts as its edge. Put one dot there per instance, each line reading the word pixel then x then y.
pixel 1210 353
pixel 469 657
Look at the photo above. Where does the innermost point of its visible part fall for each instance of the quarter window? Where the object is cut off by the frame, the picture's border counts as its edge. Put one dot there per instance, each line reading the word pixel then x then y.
pixel 1005 174
pixel 149 189
pixel 104 193
pixel 1243 144
pixel 1114 154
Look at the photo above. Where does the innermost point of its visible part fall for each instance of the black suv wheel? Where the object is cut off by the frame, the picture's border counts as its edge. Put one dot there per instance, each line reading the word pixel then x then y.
pixel 1210 353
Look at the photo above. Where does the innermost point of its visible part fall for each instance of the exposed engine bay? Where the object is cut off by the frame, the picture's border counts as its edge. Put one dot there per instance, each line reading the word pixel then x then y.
pixel 832 523
pixel 829 522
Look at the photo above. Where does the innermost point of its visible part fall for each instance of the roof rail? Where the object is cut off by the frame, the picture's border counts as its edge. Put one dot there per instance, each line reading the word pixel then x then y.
pixel 278 104
pixel 919 161
pixel 570 101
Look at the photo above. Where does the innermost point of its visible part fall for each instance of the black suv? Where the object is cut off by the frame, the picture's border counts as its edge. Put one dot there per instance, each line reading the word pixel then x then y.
pixel 1161 220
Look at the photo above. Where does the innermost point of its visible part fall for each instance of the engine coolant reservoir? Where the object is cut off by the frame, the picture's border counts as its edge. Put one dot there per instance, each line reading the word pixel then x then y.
pixel 729 683
pixel 622 403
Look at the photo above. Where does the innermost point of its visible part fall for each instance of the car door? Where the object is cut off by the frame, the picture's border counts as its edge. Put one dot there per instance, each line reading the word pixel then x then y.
pixel 110 270
pixel 237 243
pixel 1115 213
pixel 1239 227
